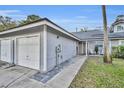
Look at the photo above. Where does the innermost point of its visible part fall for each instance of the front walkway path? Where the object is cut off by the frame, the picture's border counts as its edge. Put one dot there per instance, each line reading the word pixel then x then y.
pixel 19 77
pixel 65 77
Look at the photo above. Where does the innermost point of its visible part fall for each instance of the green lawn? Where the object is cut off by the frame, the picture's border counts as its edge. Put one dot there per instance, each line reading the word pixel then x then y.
pixel 95 73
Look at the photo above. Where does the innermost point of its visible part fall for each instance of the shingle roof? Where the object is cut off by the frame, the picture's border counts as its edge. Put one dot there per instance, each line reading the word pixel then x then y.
pixel 117 35
pixel 97 34
pixel 43 19
pixel 91 34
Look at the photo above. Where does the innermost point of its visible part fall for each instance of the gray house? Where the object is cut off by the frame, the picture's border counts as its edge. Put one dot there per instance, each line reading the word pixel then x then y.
pixel 94 38
pixel 89 40
pixel 43 45
pixel 40 45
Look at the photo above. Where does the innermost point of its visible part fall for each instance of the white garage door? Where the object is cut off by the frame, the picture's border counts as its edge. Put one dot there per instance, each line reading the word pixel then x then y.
pixel 6 50
pixel 28 52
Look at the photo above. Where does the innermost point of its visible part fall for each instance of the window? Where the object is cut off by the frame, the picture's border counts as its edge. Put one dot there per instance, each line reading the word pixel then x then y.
pixel 120 28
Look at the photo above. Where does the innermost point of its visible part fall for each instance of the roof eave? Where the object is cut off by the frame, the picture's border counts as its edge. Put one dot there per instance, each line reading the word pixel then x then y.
pixel 38 23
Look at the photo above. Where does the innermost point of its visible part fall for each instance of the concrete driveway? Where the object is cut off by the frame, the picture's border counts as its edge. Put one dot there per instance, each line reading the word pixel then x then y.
pixel 20 77
pixel 17 76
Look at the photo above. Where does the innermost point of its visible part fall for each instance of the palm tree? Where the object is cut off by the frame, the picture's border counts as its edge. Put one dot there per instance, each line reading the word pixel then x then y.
pixel 107 56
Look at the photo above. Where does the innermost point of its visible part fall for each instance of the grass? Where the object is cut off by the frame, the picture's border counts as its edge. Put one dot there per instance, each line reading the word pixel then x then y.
pixel 96 74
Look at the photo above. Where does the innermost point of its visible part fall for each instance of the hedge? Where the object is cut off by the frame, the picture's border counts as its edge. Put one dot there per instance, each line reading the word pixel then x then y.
pixel 118 52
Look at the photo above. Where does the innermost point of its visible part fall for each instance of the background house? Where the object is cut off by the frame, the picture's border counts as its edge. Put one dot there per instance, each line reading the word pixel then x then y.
pixel 43 45
pixel 94 38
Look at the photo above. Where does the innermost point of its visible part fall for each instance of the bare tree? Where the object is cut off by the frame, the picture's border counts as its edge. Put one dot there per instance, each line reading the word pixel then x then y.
pixel 107 56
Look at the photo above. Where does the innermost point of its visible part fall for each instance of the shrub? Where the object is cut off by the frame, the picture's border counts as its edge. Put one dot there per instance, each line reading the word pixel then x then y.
pixel 118 52
pixel 115 51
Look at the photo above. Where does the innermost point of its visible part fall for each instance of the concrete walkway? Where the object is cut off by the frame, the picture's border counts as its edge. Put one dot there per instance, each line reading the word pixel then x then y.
pixel 65 77
pixel 19 77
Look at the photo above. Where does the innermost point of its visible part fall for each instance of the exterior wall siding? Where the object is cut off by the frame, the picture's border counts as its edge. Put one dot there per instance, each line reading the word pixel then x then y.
pixel 121 42
pixel 114 43
pixel 68 49
pixel 68 45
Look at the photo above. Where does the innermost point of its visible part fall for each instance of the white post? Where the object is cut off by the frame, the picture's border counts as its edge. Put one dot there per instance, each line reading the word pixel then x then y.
pixel 86 48
pixel 119 42
pixel 15 50
pixel 45 48
pixel 82 48
pixel 12 51
pixel 110 46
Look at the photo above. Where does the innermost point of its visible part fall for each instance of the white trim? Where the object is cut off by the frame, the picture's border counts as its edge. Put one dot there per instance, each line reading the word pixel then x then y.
pixel 45 48
pixel 119 42
pixel 15 50
pixel 19 36
pixel 27 35
pixel 43 22
pixel 96 42
pixel 61 30
pixel 12 53
pixel 110 46
pixel 116 38
pixel 0 49
pixel 118 31
pixel 6 38
pixel 41 53
pixel 23 27
pixel 86 48
pixel 82 48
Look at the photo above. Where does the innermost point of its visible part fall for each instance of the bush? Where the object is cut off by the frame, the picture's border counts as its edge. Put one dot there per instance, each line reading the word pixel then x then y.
pixel 118 52
pixel 115 52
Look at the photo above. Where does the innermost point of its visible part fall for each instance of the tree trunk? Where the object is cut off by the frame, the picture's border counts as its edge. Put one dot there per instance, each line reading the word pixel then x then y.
pixel 107 56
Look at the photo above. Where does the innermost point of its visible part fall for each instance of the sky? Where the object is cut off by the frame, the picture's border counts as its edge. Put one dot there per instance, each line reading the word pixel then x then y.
pixel 67 16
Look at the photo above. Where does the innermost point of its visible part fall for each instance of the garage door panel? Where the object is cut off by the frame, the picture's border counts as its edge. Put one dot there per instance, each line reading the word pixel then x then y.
pixel 6 50
pixel 29 52
pixel 21 46
pixel 33 48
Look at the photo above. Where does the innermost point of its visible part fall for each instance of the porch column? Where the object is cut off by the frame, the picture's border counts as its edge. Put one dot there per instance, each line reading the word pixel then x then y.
pixel 119 42
pixel 86 48
pixel 45 48
pixel 110 46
